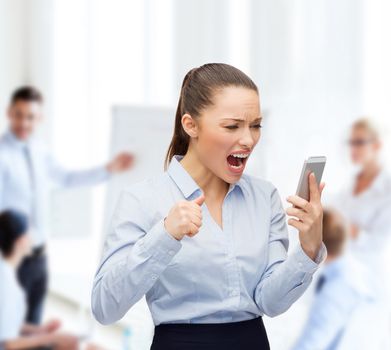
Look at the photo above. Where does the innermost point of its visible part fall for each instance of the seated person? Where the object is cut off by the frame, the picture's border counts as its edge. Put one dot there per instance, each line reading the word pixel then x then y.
pixel 14 333
pixel 344 306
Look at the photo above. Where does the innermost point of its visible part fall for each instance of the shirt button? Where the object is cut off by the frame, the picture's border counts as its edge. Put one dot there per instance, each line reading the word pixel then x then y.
pixel 233 293
pixel 171 252
pixel 154 277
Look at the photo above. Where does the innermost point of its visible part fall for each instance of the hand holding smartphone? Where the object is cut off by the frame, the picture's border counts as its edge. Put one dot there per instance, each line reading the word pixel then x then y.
pixel 306 213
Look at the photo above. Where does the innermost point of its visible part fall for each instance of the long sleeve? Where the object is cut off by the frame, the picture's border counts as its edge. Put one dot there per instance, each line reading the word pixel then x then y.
pixel 286 277
pixel 72 178
pixel 136 253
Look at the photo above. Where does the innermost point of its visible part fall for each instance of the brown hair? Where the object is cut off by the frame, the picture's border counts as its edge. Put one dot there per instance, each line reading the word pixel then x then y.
pixel 334 232
pixel 26 93
pixel 198 88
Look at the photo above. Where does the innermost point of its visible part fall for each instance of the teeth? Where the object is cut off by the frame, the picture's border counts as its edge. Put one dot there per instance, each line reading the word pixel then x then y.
pixel 235 167
pixel 239 155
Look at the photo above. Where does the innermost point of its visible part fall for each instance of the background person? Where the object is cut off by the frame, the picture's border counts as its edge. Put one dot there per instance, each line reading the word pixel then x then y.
pixel 26 172
pixel 345 313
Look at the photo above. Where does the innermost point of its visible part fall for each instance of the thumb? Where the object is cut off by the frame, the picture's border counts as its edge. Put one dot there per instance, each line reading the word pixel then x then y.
pixel 199 200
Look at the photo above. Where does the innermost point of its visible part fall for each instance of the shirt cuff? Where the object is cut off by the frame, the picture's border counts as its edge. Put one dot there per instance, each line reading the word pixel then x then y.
pixel 160 244
pixel 305 263
pixel 105 173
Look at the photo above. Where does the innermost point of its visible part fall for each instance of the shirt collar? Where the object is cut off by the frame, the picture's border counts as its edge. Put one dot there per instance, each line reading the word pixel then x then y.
pixel 186 183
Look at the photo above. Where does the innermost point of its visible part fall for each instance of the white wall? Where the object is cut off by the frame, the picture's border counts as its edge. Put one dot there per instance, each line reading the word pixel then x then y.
pixel 307 60
pixel 13 50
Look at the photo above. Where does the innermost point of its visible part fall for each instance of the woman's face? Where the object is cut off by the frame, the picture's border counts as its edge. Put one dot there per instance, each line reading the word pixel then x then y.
pixel 363 147
pixel 228 132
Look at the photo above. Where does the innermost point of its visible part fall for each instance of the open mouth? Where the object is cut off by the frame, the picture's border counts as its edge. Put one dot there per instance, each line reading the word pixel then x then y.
pixel 236 162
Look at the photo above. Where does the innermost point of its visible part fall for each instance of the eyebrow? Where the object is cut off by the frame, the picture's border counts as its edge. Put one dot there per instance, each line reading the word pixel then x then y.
pixel 242 120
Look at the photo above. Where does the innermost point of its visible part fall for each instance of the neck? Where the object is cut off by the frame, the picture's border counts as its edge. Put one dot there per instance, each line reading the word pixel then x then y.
pixel 330 259
pixel 370 169
pixel 211 185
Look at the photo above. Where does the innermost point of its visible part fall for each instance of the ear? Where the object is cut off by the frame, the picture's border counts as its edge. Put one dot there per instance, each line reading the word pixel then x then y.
pixel 189 125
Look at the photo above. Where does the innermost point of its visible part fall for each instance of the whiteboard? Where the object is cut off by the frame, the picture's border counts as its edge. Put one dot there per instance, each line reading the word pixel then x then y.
pixel 146 132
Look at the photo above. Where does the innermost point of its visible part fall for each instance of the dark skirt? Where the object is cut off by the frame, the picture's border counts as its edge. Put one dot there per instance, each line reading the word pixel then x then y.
pixel 246 335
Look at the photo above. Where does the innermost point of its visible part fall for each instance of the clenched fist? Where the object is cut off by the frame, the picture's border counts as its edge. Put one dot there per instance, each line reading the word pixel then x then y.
pixel 185 218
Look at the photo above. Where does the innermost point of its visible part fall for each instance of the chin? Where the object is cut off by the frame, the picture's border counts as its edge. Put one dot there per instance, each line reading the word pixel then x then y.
pixel 22 136
pixel 231 178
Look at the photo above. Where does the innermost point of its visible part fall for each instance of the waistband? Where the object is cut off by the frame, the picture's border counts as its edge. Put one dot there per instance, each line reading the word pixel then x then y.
pixel 215 327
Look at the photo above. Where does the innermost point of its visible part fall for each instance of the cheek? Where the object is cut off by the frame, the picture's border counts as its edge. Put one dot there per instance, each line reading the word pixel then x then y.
pixel 257 137
pixel 216 141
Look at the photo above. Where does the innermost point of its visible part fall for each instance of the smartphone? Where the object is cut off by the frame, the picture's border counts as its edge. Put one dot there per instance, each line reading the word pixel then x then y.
pixel 312 164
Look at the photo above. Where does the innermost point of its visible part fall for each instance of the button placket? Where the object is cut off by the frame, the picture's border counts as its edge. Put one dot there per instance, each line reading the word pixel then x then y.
pixel 233 270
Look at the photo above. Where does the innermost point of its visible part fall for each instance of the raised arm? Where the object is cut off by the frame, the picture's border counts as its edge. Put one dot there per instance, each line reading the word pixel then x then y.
pixel 286 277
pixel 88 177
pixel 136 253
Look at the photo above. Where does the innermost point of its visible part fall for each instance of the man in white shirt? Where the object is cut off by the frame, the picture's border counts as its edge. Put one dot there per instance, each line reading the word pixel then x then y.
pixel 26 172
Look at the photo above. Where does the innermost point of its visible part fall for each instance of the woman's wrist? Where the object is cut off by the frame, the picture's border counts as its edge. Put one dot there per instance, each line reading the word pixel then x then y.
pixel 312 251
pixel 171 234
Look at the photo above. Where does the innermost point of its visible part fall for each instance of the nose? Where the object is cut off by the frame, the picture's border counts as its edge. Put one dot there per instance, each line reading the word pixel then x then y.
pixel 247 139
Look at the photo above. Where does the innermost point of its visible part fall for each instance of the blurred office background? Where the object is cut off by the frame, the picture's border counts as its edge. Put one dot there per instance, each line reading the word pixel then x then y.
pixel 319 65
